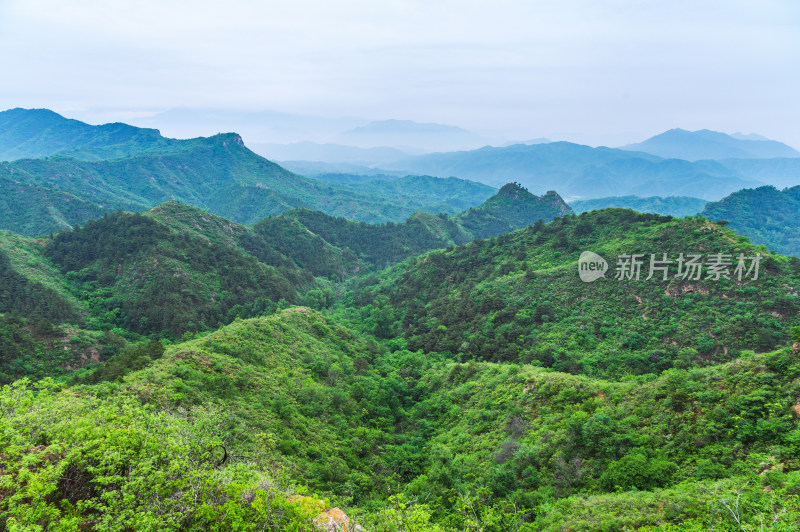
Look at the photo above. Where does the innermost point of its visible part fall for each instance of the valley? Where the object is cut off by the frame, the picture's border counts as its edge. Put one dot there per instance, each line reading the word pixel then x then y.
pixel 193 337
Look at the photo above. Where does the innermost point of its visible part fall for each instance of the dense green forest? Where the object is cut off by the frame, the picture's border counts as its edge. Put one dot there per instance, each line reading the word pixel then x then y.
pixel 177 270
pixel 234 431
pixel 766 215
pixel 511 208
pixel 478 387
pixel 452 369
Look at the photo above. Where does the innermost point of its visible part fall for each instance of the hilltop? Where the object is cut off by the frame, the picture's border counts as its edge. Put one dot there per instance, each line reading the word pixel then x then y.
pixel 511 208
pixel 766 215
pixel 518 298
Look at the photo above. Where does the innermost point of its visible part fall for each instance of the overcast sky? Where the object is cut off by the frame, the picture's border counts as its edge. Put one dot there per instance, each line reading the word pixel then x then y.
pixel 600 71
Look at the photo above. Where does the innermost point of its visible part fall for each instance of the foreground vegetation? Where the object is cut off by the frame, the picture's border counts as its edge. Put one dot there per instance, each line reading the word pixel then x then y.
pixel 231 430
pixel 178 371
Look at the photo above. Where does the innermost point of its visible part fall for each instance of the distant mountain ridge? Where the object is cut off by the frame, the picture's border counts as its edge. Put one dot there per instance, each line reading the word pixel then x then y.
pixel 706 144
pixel 138 168
pixel 424 136
pixel 328 152
pixel 678 206
pixel 578 170
pixel 36 133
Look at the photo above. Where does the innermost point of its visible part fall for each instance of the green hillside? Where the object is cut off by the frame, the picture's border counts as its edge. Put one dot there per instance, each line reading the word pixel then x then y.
pixel 149 273
pixel 511 208
pixel 482 386
pixel 35 133
pixel 35 210
pixel 226 431
pixel 766 215
pixel 518 298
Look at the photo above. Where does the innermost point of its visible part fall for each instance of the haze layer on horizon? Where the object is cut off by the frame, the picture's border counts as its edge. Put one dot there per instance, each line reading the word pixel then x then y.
pixel 599 72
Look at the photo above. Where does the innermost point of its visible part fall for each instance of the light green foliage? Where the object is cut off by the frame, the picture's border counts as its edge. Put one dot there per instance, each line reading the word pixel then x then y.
pixel 72 460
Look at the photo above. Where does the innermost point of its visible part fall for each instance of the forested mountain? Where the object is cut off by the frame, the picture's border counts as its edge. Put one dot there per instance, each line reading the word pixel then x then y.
pixel 706 144
pixel 453 371
pixel 96 169
pixel 678 206
pixel 576 170
pixel 766 215
pixel 483 386
pixel 511 208
pixel 36 210
pixel 35 133
pixel 518 298
pixel 177 269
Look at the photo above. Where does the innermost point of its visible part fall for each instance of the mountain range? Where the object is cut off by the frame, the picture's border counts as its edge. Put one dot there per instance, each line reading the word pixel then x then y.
pixel 485 375
pixel 706 144
pixel 582 171
pixel 677 206
pixel 87 171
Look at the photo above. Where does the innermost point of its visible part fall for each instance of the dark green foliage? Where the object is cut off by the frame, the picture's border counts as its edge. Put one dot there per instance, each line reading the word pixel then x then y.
pixel 382 245
pixel 162 280
pixel 22 295
pixel 765 215
pixel 511 208
pixel 35 210
pixel 132 358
